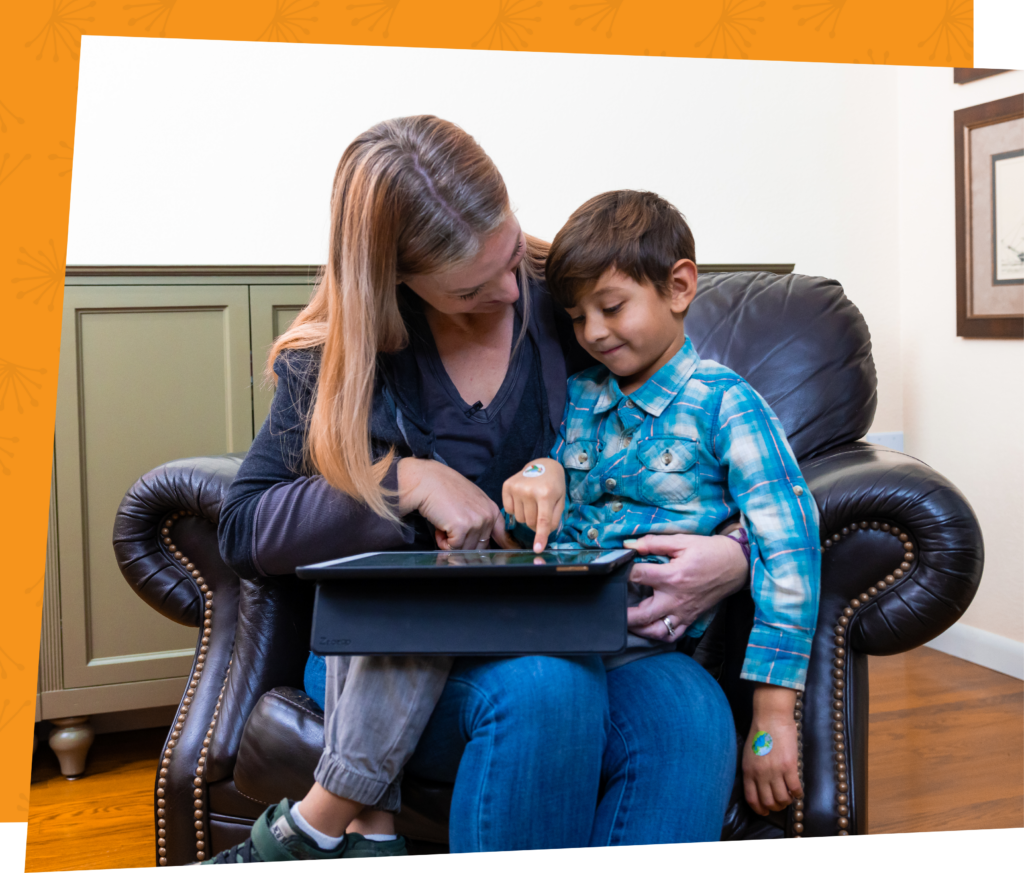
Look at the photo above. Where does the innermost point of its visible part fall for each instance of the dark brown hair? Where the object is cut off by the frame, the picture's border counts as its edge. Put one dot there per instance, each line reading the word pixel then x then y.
pixel 637 232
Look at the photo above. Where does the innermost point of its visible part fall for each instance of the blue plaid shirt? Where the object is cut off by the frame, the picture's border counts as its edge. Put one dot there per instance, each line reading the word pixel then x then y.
pixel 692 448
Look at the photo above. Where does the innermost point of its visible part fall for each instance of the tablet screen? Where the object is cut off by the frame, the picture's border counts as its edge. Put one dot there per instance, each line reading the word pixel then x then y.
pixel 599 560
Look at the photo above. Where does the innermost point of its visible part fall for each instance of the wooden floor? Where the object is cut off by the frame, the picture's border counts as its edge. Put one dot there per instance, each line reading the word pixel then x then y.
pixel 946 745
pixel 946 752
pixel 103 820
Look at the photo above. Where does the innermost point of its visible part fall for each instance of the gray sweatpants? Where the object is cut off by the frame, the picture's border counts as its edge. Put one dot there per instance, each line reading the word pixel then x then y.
pixel 375 711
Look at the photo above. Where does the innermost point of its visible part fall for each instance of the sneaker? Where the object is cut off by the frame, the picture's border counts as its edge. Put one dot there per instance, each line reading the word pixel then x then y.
pixel 357 846
pixel 276 837
pixel 276 841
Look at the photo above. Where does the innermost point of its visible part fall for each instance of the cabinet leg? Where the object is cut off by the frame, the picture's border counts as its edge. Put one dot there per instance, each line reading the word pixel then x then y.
pixel 70 740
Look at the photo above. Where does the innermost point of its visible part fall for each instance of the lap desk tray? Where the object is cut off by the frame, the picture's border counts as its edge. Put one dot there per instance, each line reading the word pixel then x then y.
pixel 487 602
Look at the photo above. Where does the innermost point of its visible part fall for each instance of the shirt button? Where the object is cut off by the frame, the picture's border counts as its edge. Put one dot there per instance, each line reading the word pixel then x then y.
pixel 798 491
pixel 616 506
pixel 592 533
pixel 581 457
pixel 630 404
pixel 609 484
pixel 667 458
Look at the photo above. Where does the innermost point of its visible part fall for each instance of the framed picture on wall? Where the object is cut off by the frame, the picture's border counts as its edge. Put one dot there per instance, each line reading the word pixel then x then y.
pixel 989 149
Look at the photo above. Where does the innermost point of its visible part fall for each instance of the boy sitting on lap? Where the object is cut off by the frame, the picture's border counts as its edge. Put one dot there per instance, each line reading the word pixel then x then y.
pixel 657 441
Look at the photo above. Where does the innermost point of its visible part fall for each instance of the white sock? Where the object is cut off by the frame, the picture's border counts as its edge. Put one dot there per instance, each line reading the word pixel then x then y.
pixel 325 842
pixel 381 838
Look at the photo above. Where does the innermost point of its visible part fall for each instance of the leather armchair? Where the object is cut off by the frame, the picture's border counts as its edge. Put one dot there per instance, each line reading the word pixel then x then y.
pixel 902 559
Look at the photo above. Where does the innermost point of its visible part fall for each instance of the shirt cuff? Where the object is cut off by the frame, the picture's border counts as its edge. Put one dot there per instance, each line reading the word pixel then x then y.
pixel 777 657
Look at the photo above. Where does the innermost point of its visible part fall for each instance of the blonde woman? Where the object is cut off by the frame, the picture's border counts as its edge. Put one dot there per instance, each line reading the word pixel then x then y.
pixel 430 366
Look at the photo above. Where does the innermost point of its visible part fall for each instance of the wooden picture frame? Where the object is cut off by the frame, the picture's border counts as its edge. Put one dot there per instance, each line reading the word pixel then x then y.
pixel 986 146
pixel 963 75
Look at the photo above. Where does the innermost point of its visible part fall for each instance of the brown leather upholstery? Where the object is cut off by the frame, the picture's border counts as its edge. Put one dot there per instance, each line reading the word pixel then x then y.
pixel 806 349
pixel 280 746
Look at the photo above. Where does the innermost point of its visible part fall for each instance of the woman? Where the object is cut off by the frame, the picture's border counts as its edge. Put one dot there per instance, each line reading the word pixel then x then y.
pixel 429 366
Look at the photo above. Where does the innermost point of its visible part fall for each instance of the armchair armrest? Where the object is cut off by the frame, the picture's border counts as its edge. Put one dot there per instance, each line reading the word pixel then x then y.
pixel 902 560
pixel 165 542
pixel 861 488
pixel 255 634
pixel 194 487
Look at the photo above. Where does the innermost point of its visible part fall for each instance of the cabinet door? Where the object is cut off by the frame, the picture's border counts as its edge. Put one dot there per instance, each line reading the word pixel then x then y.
pixel 148 374
pixel 272 310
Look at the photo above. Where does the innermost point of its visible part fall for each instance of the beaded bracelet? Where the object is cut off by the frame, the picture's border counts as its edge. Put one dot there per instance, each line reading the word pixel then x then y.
pixel 740 536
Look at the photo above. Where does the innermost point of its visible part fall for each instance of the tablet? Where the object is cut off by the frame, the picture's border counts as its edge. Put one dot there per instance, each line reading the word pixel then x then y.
pixel 491 603
pixel 487 563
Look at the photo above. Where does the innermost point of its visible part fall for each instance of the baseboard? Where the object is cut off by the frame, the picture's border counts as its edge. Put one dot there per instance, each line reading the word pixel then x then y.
pixel 983 648
pixel 890 439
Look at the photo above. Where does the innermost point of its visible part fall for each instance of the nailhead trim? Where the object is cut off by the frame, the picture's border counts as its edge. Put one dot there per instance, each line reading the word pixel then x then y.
pixel 798 805
pixel 186 703
pixel 199 781
pixel 839 664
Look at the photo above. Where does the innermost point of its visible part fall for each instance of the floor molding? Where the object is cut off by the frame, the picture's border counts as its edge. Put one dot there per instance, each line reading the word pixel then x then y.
pixel 983 648
pixel 892 439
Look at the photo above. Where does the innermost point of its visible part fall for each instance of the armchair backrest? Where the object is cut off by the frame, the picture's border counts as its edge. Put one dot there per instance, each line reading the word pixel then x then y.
pixel 800 342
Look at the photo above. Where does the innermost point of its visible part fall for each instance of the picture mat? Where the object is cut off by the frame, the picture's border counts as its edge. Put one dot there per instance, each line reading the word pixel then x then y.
pixel 1008 212
pixel 988 299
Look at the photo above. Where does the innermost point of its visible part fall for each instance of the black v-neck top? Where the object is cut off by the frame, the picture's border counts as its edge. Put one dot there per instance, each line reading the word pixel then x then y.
pixel 467 436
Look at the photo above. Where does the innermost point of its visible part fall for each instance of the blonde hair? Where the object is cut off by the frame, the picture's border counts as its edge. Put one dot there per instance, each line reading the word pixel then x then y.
pixel 411 196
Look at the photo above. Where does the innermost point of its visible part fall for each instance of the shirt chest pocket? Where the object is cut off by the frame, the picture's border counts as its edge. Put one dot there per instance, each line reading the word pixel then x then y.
pixel 668 475
pixel 579 459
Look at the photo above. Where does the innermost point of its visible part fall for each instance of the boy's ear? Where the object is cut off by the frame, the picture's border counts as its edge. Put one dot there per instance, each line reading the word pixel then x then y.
pixel 682 285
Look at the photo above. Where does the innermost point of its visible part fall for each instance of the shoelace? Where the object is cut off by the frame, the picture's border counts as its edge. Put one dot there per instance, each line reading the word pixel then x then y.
pixel 240 854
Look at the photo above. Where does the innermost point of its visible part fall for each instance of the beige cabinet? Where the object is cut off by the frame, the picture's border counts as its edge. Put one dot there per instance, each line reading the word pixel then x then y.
pixel 152 368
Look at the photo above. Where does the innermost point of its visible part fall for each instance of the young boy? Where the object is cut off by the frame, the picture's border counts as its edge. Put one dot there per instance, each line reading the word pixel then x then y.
pixel 656 441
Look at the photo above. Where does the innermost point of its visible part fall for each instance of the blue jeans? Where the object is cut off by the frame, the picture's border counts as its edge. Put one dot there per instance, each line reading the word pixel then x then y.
pixel 555 752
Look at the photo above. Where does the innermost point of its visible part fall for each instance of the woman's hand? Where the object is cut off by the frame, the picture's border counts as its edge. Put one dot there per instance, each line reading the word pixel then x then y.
pixel 536 497
pixel 701 572
pixel 462 515
pixel 771 780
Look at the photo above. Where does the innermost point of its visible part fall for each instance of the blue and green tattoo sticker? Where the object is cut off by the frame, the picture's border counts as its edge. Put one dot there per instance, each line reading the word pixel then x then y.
pixel 762 743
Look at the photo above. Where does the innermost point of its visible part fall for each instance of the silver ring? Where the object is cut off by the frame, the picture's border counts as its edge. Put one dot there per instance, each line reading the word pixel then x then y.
pixel 668 624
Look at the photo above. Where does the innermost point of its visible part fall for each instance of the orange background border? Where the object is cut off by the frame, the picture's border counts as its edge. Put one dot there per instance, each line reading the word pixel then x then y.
pixel 39 51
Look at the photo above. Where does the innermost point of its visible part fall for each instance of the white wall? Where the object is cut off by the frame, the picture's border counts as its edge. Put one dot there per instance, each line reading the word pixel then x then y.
pixel 205 152
pixel 963 399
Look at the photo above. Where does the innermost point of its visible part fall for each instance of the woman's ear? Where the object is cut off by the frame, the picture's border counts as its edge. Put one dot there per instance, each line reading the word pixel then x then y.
pixel 682 285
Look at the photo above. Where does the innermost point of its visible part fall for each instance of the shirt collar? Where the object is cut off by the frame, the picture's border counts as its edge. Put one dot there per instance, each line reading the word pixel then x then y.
pixel 654 396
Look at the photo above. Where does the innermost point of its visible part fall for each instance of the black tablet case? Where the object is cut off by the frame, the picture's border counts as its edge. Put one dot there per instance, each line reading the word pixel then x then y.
pixel 471 615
